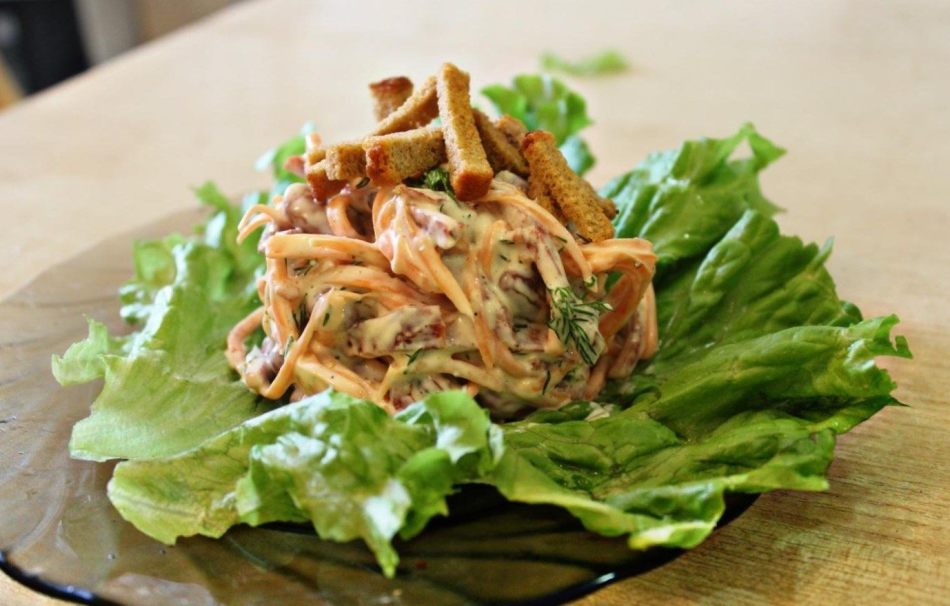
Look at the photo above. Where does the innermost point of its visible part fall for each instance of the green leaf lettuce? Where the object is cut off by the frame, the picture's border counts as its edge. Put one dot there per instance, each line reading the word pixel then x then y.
pixel 603 63
pixel 760 367
pixel 343 464
pixel 168 387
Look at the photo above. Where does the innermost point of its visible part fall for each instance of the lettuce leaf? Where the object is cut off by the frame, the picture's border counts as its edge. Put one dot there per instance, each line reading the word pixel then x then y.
pixel 546 103
pixel 751 417
pixel 760 367
pixel 603 63
pixel 343 464
pixel 684 200
pixel 168 386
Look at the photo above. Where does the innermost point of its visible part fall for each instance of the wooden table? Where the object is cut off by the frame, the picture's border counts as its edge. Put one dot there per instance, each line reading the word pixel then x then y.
pixel 857 91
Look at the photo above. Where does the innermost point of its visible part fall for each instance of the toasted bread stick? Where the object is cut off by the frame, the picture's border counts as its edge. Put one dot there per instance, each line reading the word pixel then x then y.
pixel 315 151
pixel 419 109
pixel 573 195
pixel 392 158
pixel 315 169
pixel 538 193
pixel 313 156
pixel 389 95
pixel 502 155
pixel 608 206
pixel 469 170
pixel 346 161
pixel 322 186
pixel 513 129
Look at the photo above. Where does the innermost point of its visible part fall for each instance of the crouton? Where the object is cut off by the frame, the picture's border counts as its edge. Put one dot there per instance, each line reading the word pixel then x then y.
pixel 320 184
pixel 502 155
pixel 315 155
pixel 513 129
pixel 389 95
pixel 314 151
pixel 539 193
pixel 315 169
pixel 575 197
pixel 608 206
pixel 392 158
pixel 469 170
pixel 346 161
pixel 419 109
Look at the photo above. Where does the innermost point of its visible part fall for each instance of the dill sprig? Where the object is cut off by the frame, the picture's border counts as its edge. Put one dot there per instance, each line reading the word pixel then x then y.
pixel 575 322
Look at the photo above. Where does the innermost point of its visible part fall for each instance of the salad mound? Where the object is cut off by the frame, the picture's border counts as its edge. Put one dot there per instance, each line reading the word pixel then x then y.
pixel 759 367
pixel 427 258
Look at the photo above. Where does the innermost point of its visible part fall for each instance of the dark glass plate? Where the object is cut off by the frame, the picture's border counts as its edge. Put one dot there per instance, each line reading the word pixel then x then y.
pixel 61 536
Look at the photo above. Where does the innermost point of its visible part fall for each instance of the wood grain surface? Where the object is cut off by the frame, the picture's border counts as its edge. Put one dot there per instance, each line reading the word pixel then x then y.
pixel 857 91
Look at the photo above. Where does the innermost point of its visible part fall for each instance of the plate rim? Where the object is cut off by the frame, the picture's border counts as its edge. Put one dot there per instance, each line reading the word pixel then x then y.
pixel 75 594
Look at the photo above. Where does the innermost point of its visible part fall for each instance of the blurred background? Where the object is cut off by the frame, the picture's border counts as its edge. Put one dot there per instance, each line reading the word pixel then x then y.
pixel 43 42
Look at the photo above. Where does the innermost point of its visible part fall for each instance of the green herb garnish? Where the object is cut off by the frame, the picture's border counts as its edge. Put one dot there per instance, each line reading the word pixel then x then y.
pixel 438 179
pixel 575 322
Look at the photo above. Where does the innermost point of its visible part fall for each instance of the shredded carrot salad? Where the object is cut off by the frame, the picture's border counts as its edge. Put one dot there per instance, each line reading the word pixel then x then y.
pixel 390 293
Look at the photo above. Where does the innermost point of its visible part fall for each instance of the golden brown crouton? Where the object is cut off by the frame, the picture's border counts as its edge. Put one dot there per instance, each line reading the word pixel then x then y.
pixel 346 161
pixel 392 158
pixel 513 129
pixel 573 195
pixel 322 186
pixel 608 206
pixel 315 151
pixel 502 155
pixel 538 193
pixel 419 109
pixel 469 170
pixel 389 95
pixel 315 155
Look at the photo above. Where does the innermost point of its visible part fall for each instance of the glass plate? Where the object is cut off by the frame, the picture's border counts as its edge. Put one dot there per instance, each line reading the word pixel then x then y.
pixel 61 536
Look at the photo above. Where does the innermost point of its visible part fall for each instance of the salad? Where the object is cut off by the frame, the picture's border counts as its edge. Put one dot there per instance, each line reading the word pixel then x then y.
pixel 447 302
pixel 490 275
